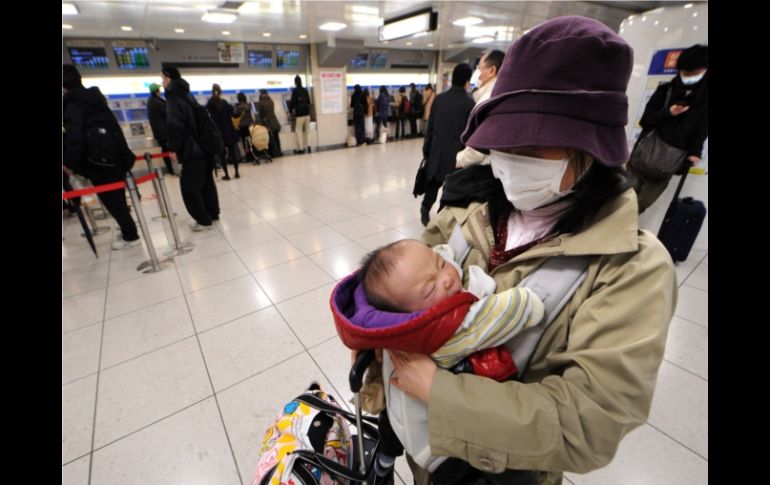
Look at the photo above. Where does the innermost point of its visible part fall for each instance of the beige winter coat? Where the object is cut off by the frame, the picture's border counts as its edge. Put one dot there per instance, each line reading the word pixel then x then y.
pixel 592 376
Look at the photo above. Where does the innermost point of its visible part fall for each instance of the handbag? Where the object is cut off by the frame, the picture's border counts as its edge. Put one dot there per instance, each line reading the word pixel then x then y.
pixel 237 121
pixel 420 180
pixel 654 158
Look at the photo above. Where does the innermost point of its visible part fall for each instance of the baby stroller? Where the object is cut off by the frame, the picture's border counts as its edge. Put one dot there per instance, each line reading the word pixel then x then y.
pixel 260 140
pixel 310 443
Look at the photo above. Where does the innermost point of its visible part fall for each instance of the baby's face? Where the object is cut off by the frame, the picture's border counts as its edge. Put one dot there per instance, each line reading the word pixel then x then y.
pixel 420 279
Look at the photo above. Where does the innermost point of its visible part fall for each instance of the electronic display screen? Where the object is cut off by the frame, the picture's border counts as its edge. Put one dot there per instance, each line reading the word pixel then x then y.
pixel 119 115
pixel 287 58
pixel 260 59
pixel 132 57
pixel 89 57
pixel 359 60
pixel 379 59
pixel 136 114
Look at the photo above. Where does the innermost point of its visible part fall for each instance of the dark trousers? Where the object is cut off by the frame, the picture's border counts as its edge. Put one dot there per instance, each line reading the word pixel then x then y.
pixel 274 145
pixel 232 156
pixel 380 121
pixel 400 127
pixel 358 124
pixel 115 203
pixel 199 191
pixel 431 192
pixel 166 160
pixel 413 125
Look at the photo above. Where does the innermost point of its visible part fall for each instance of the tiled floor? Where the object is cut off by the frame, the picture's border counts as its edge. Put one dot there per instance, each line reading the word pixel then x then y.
pixel 173 377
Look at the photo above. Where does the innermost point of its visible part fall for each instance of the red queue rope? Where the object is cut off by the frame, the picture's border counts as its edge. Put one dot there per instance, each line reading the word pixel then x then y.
pixel 155 155
pixel 106 187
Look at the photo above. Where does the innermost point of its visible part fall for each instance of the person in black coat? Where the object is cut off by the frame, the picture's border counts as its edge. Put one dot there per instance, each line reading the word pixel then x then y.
pixel 156 112
pixel 682 121
pixel 221 113
pixel 78 104
pixel 199 191
pixel 266 108
pixel 357 104
pixel 446 123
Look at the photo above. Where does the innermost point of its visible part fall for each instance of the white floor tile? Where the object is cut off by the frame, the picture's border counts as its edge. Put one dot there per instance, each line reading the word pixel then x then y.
pixel 209 272
pixel 334 360
pixel 309 315
pixel 222 303
pixel 142 292
pixel 145 330
pixel 381 239
pixel 82 310
pixel 340 261
pixel 282 209
pixel 699 278
pixel 77 418
pixel 188 447
pixel 413 230
pixel 125 269
pixel 80 352
pixel 231 220
pixel 693 305
pixel 396 216
pixel 85 279
pixel 76 473
pixel 204 249
pixel 318 239
pixel 688 347
pixel 295 223
pixel 265 255
pixel 247 346
pixel 680 408
pixel 646 457
pixel 334 213
pixel 249 407
pixel 290 279
pixel 359 227
pixel 251 235
pixel 139 392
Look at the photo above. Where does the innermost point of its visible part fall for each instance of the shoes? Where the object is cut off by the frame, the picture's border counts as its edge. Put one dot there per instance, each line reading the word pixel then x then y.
pixel 424 217
pixel 309 150
pixel 297 152
pixel 237 175
pixel 200 227
pixel 226 177
pixel 123 244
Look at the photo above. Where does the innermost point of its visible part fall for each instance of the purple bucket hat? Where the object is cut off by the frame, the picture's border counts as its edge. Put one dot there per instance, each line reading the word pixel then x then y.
pixel 563 84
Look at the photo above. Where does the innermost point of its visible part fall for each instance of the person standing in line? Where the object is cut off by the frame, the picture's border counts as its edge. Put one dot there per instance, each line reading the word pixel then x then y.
pixel 486 74
pixel 221 113
pixel 299 105
pixel 415 109
pixel 678 111
pixel 402 111
pixel 357 104
pixel 442 136
pixel 383 106
pixel 243 110
pixel 199 191
pixel 430 95
pixel 368 117
pixel 156 113
pixel 267 115
pixel 78 104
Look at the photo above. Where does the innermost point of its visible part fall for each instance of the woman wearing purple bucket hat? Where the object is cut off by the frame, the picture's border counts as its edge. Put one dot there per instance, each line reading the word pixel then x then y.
pixel 554 127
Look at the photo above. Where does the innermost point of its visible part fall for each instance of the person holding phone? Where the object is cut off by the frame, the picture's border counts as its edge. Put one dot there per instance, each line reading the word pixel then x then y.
pixel 678 111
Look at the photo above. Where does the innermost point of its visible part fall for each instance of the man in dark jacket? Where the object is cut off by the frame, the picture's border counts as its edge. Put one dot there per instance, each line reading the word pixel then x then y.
pixel 267 115
pixel 678 111
pixel 79 104
pixel 299 105
pixel 222 113
pixel 446 123
pixel 199 191
pixel 156 112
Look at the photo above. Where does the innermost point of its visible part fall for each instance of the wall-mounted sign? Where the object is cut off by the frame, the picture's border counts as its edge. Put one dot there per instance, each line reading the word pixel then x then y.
pixel 231 52
pixel 332 90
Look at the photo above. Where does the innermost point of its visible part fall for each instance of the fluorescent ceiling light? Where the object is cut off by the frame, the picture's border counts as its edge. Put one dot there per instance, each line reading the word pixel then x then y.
pixel 266 34
pixel 69 9
pixel 271 7
pixel 502 33
pixel 425 20
pixel 689 5
pixel 430 45
pixel 126 28
pixel 421 34
pixel 225 32
pixel 464 22
pixel 66 26
pixel 303 36
pixel 359 18
pixel 179 31
pixel 219 17
pixel 408 43
pixel 332 26
pixel 483 40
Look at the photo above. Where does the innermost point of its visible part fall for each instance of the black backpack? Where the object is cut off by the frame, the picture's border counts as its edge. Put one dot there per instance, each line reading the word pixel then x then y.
pixel 206 132
pixel 303 102
pixel 417 105
pixel 106 147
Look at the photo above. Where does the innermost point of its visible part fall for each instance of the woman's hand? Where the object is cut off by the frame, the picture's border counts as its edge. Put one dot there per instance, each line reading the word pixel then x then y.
pixel 415 374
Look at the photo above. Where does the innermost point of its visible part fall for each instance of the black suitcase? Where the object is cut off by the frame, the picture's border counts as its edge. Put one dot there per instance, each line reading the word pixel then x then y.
pixel 681 224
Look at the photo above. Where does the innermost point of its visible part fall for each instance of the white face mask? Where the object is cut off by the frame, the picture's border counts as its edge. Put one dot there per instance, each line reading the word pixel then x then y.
pixel 475 77
pixel 690 80
pixel 529 182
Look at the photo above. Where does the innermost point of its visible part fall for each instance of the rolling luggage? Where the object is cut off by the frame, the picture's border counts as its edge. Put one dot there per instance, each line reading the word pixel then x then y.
pixel 682 223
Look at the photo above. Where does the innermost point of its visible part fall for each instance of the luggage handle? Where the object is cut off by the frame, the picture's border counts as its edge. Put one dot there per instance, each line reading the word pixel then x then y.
pixel 356 376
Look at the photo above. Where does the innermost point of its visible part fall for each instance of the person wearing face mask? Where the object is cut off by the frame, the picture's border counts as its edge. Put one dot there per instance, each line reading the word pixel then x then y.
pixel 556 135
pixel 448 115
pixel 678 111
pixel 486 76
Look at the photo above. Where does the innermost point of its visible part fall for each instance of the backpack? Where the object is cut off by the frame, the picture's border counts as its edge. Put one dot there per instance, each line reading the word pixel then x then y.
pixel 406 105
pixel 206 133
pixel 417 103
pixel 303 102
pixel 105 145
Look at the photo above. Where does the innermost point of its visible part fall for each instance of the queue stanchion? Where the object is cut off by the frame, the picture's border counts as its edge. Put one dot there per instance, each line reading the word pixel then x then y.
pixel 179 246
pixel 153 265
pixel 163 213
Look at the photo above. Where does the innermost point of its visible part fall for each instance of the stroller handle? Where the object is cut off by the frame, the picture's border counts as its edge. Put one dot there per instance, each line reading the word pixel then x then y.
pixel 356 376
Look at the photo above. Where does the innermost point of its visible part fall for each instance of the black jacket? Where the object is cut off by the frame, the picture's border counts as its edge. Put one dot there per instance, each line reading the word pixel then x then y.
pixel 297 107
pixel 688 130
pixel 156 112
pixel 180 121
pixel 77 104
pixel 448 117
pixel 222 113
pixel 267 112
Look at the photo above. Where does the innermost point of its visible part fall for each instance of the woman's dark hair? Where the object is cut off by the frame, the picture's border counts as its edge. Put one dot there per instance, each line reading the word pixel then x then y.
pixel 597 186
pixel 383 89
pixel 241 97
pixel 70 76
